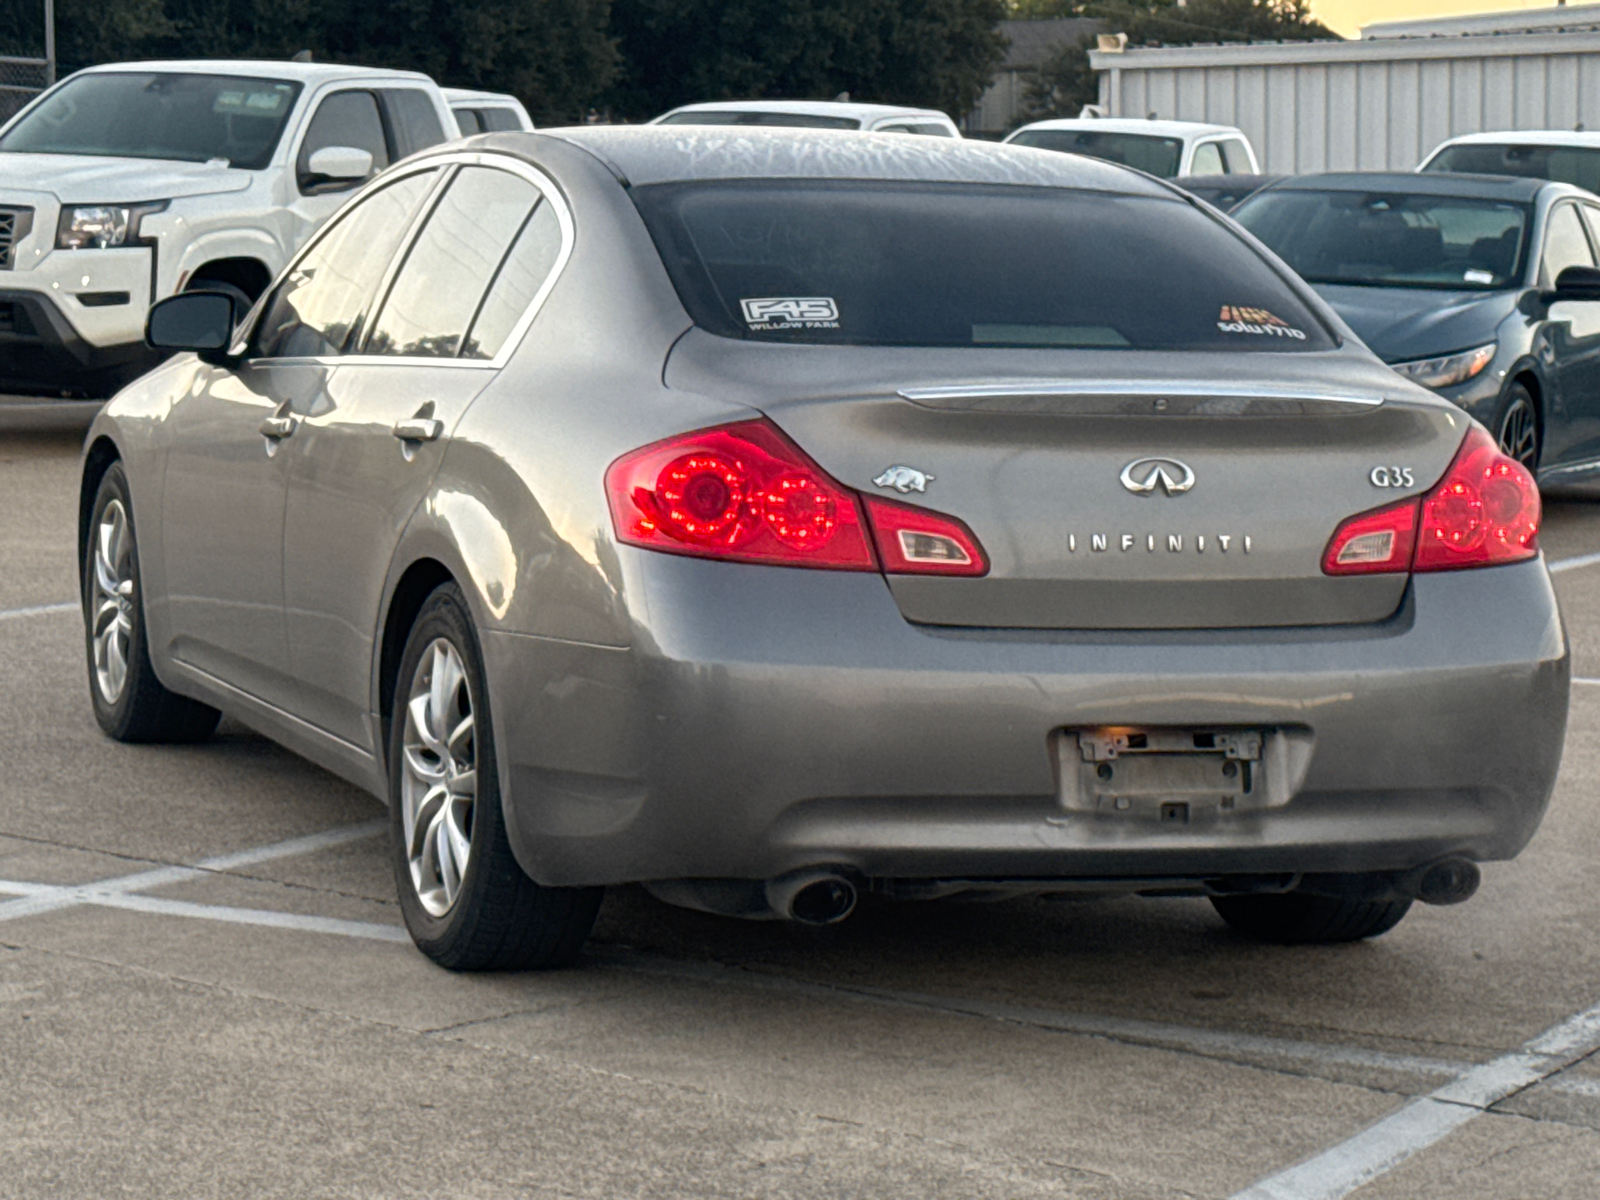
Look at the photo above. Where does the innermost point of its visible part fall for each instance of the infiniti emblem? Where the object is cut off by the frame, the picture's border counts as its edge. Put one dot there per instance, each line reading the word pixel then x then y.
pixel 1143 474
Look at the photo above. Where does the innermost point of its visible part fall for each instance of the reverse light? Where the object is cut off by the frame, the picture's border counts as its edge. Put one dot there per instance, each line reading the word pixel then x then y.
pixel 746 493
pixel 1484 512
pixel 1449 369
pixel 98 226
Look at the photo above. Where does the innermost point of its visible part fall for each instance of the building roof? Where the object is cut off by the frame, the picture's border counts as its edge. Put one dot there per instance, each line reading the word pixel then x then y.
pixel 1521 20
pixel 1030 43
pixel 1170 129
pixel 1517 188
pixel 646 154
pixel 810 108
pixel 257 68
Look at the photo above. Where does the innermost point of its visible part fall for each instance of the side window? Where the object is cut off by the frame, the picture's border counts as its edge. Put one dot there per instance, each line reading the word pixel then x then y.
pixel 449 266
pixel 1207 160
pixel 319 304
pixel 500 120
pixel 342 119
pixel 514 286
pixel 892 129
pixel 1236 157
pixel 413 119
pixel 1565 243
pixel 469 121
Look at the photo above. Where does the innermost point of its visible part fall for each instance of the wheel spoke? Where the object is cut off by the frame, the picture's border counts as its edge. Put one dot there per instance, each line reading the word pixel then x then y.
pixel 439 783
pixel 422 720
pixel 449 874
pixel 461 736
pixel 464 784
pixel 426 820
pixel 424 764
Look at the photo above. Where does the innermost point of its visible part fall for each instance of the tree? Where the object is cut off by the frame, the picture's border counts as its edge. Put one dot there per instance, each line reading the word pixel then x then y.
pixel 1062 84
pixel 1180 23
pixel 938 53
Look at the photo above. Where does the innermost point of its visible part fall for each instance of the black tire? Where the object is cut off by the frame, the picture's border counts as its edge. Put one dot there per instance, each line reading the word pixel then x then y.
pixel 1517 428
pixel 498 919
pixel 141 709
pixel 1295 918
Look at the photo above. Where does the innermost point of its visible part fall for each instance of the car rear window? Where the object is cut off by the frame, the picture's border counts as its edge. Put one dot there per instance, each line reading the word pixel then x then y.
pixel 1159 156
pixel 920 264
pixel 787 119
pixel 1578 165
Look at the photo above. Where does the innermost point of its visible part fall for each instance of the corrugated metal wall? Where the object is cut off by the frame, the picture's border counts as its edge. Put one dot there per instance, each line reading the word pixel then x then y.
pixel 1381 104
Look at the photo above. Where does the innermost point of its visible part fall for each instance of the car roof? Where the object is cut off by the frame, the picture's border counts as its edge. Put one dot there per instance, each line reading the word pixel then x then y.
pixel 1176 129
pixel 644 154
pixel 1527 137
pixel 468 96
pixel 1518 188
pixel 256 68
pixel 809 108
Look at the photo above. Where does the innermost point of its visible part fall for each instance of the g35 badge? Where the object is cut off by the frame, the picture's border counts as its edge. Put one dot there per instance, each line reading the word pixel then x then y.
pixel 1392 477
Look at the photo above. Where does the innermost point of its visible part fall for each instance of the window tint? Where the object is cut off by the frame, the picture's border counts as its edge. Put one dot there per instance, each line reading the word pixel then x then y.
pixel 1156 155
pixel 500 119
pixel 1388 239
pixel 190 118
pixel 468 121
pixel 1565 244
pixel 450 264
pixel 513 288
pixel 1236 157
pixel 1578 165
pixel 414 119
pixel 342 119
pixel 318 305
pixel 798 120
pixel 923 264
pixel 1207 160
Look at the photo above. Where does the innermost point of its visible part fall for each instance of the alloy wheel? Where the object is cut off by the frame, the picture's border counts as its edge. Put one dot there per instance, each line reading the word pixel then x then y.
pixel 112 623
pixel 1519 432
pixel 439 783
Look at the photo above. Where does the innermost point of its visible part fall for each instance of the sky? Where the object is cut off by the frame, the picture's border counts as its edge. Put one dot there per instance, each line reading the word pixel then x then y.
pixel 1348 16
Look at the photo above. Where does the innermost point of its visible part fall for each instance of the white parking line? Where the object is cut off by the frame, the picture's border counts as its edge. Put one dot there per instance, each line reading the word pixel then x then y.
pixel 1381 1147
pixel 1572 564
pixel 38 610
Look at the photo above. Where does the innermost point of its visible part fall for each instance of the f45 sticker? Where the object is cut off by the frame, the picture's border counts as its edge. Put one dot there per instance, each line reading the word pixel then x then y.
pixel 791 312
pixel 1392 477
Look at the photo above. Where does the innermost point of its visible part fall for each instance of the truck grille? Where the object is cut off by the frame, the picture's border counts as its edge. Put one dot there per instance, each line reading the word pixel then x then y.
pixel 14 226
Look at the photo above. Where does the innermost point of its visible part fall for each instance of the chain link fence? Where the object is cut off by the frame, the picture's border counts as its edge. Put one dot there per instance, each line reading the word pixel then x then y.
pixel 21 79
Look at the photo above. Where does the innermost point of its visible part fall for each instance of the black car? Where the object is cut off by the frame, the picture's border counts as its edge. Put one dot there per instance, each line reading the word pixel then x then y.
pixel 1483 288
pixel 1224 191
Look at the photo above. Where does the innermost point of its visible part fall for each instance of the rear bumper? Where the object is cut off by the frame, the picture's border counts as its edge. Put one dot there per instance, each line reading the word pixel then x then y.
pixel 769 720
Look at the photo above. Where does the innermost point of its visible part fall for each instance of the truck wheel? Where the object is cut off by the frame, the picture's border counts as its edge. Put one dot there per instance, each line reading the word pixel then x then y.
pixel 465 899
pixel 1294 918
pixel 130 703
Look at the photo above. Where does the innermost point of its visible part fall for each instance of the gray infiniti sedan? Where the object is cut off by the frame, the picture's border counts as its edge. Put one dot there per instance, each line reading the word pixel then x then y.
pixel 777 517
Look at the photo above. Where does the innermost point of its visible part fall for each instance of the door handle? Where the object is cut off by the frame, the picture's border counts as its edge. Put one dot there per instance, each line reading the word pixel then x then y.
pixel 419 429
pixel 276 428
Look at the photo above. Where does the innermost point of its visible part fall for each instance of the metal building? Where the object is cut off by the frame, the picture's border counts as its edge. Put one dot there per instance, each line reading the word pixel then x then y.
pixel 1382 102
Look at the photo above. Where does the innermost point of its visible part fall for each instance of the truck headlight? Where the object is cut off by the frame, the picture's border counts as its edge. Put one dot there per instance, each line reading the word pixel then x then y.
pixel 1447 369
pixel 96 226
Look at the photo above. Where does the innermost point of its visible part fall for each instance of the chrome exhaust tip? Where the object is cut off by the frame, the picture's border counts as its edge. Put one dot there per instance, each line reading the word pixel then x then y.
pixel 812 897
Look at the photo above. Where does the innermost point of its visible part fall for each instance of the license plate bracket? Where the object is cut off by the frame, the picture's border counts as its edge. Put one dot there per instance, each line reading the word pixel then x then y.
pixel 1173 775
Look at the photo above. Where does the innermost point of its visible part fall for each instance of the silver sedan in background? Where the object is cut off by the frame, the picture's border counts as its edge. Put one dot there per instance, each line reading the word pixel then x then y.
pixel 773 517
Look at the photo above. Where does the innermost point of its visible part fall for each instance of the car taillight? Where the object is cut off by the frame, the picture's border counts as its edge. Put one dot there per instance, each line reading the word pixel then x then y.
pixel 746 493
pixel 1485 511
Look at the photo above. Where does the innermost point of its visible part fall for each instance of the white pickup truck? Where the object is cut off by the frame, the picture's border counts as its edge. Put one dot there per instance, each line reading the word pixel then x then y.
pixel 126 183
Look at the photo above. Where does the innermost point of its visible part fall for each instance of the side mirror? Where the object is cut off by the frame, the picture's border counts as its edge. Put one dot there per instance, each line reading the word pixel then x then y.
pixel 1577 283
pixel 197 321
pixel 339 164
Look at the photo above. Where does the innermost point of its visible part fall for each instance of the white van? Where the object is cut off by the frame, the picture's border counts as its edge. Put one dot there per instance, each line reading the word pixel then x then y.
pixel 814 114
pixel 487 112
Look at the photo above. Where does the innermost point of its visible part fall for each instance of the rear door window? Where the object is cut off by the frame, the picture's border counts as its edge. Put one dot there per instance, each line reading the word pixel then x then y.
pixel 342 119
pixel 533 256
pixel 317 309
pixel 499 119
pixel 449 267
pixel 1236 157
pixel 1565 243
pixel 413 119
pixel 921 264
pixel 1207 160
pixel 468 121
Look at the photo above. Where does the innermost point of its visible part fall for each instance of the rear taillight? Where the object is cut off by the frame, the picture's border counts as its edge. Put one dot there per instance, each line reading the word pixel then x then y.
pixel 746 493
pixel 1485 511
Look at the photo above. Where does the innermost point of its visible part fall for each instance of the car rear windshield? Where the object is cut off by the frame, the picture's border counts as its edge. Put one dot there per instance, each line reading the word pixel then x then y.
pixel 922 264
pixel 1159 156
pixel 1579 165
pixel 791 120
pixel 1381 239
pixel 190 118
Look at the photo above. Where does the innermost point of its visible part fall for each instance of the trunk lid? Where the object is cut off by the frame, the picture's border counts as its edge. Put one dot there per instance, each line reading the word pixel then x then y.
pixel 1110 492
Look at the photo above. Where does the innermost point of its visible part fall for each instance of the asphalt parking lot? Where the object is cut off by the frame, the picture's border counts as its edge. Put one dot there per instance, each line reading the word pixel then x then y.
pixel 205 991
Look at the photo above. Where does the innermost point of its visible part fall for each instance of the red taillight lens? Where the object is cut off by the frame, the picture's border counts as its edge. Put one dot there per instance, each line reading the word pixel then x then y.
pixel 1373 542
pixel 914 541
pixel 1483 512
pixel 742 492
pixel 746 493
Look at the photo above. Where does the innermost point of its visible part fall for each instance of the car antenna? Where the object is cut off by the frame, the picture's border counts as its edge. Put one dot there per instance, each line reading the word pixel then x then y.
pixel 303 56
